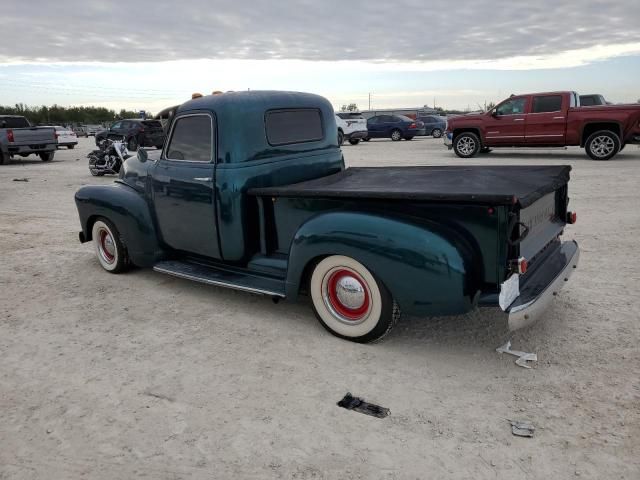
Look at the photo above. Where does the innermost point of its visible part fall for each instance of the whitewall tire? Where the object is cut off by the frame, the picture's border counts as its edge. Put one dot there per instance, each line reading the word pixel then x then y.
pixel 350 302
pixel 109 247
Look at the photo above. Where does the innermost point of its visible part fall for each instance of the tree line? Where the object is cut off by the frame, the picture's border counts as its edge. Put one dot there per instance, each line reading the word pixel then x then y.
pixel 56 114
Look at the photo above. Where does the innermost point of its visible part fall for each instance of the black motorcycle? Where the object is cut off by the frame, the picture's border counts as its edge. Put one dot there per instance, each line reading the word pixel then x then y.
pixel 109 157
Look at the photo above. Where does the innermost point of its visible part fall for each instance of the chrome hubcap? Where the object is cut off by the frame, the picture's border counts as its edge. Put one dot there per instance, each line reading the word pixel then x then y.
pixel 346 295
pixel 106 246
pixel 466 145
pixel 350 292
pixel 602 146
pixel 395 135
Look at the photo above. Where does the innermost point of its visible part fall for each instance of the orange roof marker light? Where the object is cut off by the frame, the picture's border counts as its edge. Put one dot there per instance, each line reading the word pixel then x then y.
pixel 217 92
pixel 196 95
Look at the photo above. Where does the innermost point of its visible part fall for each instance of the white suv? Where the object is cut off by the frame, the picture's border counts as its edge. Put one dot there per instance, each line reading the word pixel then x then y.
pixel 352 126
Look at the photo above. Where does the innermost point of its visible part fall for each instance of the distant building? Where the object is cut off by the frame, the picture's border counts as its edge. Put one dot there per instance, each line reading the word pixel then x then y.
pixel 408 112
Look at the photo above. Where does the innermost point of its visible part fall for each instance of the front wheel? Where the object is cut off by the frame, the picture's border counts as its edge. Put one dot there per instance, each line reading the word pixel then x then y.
pixel 350 302
pixel 436 133
pixel 109 247
pixel 408 138
pixel 354 141
pixel 340 137
pixel 366 139
pixel 70 147
pixel 602 145
pixel 466 145
pixel 46 157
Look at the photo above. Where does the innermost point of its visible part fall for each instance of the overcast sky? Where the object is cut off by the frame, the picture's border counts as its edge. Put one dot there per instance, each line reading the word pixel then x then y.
pixel 145 54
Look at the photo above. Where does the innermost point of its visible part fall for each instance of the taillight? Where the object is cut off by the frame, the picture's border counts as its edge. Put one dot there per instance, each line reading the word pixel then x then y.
pixel 572 217
pixel 56 134
pixel 413 125
pixel 10 136
pixel 521 265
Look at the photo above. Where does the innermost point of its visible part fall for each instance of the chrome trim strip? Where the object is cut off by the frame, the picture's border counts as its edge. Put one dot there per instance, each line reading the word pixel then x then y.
pixel 508 136
pixel 549 135
pixel 524 315
pixel 218 283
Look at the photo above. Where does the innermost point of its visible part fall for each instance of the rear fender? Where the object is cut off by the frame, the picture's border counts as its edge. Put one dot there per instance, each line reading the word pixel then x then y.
pixel 130 213
pixel 428 268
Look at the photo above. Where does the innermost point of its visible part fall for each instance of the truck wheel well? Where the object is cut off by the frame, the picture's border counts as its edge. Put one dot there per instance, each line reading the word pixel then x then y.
pixel 306 274
pixel 458 131
pixel 90 221
pixel 594 127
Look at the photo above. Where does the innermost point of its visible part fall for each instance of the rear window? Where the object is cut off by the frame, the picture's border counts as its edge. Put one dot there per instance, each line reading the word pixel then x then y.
pixel 293 126
pixel 14 122
pixel 152 124
pixel 549 103
pixel 191 139
pixel 350 115
pixel 404 118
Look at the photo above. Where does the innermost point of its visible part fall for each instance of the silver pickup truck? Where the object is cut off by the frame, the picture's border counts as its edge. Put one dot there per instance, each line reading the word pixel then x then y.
pixel 18 137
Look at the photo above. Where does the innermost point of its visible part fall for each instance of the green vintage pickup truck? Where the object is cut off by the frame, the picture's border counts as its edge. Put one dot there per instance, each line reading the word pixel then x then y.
pixel 250 192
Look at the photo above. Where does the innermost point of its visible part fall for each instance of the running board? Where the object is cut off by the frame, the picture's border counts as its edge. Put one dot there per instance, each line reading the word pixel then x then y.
pixel 246 282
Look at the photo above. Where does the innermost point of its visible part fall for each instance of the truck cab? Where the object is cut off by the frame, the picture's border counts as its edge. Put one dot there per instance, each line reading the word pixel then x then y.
pixel 250 192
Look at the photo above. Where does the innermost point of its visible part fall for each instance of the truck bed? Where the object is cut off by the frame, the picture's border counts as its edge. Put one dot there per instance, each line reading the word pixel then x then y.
pixel 494 185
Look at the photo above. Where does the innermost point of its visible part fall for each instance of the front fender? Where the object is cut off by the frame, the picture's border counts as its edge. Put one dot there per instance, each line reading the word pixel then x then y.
pixel 130 213
pixel 427 267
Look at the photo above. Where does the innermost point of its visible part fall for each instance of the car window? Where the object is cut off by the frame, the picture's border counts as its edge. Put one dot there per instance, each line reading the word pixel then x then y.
pixel 116 125
pixel 285 127
pixel 386 119
pixel 514 106
pixel 403 118
pixel 547 103
pixel 587 101
pixel 14 122
pixel 372 120
pixel 191 139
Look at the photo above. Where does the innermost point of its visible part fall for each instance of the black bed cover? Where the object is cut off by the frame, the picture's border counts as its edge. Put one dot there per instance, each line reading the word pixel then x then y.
pixel 496 185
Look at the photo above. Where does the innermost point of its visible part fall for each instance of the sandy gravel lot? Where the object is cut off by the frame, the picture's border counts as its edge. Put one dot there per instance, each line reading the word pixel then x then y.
pixel 143 375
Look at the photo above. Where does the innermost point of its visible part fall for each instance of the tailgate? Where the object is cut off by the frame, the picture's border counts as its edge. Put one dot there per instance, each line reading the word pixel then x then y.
pixel 540 223
pixel 33 136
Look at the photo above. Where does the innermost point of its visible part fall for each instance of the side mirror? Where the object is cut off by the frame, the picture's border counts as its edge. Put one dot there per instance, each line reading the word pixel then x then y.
pixel 143 156
pixel 494 113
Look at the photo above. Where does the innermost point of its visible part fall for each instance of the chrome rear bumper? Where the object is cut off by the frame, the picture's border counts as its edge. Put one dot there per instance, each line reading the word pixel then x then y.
pixel 543 286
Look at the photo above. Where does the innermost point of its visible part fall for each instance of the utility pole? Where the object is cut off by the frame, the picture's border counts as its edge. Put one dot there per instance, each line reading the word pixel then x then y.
pixel 369 100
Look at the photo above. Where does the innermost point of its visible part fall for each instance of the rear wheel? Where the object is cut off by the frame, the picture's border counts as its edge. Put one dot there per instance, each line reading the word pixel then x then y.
pixel 4 159
pixel 602 145
pixel 366 139
pixel 396 135
pixel 436 133
pixel 132 144
pixel 70 147
pixel 110 250
pixel 485 150
pixel 340 137
pixel 354 141
pixel 47 156
pixel 466 145
pixel 350 302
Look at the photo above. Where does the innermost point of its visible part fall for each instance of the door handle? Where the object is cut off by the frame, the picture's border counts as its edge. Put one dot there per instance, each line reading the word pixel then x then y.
pixel 558 118
pixel 203 179
pixel 518 119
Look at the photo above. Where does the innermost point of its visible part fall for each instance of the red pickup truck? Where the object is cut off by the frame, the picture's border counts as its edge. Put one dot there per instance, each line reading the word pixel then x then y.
pixel 551 119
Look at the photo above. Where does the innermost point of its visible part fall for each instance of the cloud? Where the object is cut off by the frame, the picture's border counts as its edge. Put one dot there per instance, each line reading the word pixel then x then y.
pixel 502 34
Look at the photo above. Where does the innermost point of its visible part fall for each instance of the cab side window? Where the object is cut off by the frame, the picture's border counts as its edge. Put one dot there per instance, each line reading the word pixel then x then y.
pixel 547 103
pixel 512 107
pixel 191 139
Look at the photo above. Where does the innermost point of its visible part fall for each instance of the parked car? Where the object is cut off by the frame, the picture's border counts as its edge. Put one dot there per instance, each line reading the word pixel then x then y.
pixel 395 127
pixel 434 125
pixel 92 129
pixel 261 202
pixel 551 119
pixel 80 132
pixel 136 132
pixel 19 137
pixel 66 137
pixel 352 127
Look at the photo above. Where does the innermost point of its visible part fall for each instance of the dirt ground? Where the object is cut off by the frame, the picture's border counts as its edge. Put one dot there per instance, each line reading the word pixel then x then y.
pixel 147 376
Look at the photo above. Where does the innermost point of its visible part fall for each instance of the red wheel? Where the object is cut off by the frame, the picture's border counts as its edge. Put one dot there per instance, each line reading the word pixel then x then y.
pixel 109 248
pixel 350 302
